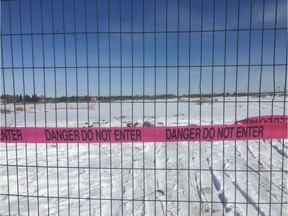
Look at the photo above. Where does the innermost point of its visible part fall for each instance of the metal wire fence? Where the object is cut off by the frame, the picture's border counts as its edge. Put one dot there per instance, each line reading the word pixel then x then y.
pixel 142 63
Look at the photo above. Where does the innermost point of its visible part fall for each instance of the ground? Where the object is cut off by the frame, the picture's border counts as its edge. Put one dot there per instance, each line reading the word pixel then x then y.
pixel 185 178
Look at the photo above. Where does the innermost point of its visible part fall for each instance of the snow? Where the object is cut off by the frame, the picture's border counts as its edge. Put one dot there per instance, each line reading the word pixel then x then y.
pixel 185 178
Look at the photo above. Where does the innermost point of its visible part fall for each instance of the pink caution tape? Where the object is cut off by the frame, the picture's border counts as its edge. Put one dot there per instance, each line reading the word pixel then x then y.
pixel 265 127
pixel 264 119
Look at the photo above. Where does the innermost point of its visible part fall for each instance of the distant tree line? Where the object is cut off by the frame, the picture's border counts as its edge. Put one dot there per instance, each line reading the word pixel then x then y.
pixel 34 98
pixel 19 98
pixel 136 97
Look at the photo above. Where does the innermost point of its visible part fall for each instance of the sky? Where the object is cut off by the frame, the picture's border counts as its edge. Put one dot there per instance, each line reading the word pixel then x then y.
pixel 119 47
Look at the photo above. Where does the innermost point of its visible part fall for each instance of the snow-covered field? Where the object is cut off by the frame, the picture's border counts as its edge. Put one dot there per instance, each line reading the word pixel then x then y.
pixel 231 178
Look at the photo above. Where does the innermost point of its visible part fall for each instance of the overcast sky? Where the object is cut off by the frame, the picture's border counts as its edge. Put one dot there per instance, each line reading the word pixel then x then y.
pixel 143 47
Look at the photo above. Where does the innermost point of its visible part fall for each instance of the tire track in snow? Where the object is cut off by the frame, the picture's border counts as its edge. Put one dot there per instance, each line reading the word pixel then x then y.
pixel 277 176
pixel 248 198
pixel 242 197
pixel 280 151
pixel 200 190
pixel 152 193
pixel 182 185
pixel 174 188
pixel 262 180
pixel 253 155
pixel 160 179
pixel 231 183
pixel 211 185
pixel 205 208
pixel 221 194
pixel 217 185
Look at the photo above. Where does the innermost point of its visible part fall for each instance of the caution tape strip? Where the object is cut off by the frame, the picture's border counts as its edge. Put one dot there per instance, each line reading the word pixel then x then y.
pixel 255 128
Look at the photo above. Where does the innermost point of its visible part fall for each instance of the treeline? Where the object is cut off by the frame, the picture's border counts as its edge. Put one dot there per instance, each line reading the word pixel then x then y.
pixel 7 98
pixel 136 97
pixel 34 98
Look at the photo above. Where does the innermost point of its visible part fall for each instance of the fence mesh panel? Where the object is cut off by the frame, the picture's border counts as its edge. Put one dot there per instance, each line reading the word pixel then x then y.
pixel 142 63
